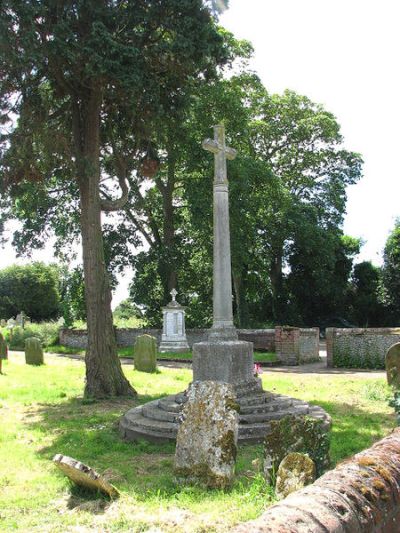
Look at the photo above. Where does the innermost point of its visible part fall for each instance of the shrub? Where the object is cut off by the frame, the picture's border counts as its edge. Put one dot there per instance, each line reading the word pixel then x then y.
pixel 46 332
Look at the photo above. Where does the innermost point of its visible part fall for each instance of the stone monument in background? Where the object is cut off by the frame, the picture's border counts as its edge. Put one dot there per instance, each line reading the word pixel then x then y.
pixel 173 338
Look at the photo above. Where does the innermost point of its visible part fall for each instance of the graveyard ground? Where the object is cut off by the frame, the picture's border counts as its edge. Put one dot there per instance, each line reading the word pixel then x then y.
pixel 42 413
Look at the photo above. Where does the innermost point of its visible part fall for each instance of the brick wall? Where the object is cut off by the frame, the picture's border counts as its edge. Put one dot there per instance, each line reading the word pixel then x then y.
pixel 295 346
pixel 361 495
pixel 359 347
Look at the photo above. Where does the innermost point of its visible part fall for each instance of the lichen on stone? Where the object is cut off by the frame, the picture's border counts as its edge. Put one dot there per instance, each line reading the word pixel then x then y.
pixel 206 444
pixel 302 434
pixel 295 472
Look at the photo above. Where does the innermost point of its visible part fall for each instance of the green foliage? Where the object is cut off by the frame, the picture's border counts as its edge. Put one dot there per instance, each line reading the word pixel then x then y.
pixel 33 289
pixel 72 289
pixel 391 274
pixel 366 308
pixel 46 332
pixel 126 310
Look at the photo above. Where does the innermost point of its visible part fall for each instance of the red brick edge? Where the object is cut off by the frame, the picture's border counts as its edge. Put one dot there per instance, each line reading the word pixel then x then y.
pixel 361 495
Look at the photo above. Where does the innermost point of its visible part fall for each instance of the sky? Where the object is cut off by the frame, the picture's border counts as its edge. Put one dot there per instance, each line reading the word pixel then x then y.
pixel 343 54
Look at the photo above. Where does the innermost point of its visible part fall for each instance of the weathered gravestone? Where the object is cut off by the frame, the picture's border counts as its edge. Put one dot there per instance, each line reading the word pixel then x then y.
pixel 392 363
pixel 84 476
pixel 206 444
pixel 173 338
pixel 145 354
pixel 301 434
pixel 3 351
pixel 295 472
pixel 33 351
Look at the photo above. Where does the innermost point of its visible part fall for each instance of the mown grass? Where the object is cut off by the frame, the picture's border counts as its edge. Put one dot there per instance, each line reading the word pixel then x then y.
pixel 127 351
pixel 42 413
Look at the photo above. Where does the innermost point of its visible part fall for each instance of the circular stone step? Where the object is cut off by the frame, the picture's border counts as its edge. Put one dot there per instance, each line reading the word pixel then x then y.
pixel 158 421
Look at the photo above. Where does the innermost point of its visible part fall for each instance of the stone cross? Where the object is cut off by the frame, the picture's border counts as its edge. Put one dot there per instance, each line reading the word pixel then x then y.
pixel 221 152
pixel 173 293
pixel 223 327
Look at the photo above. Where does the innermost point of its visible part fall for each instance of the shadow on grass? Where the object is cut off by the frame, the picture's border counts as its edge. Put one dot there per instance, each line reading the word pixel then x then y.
pixel 354 428
pixel 88 431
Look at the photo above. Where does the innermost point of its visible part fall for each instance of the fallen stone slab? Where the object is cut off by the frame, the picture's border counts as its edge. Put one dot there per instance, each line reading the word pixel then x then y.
pixel 84 476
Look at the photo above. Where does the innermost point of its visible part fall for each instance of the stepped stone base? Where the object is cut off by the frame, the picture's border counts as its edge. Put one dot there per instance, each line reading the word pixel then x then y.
pixel 158 421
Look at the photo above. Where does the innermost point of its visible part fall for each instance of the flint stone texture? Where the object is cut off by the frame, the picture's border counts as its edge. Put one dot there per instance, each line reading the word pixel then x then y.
pixel 33 351
pixel 361 495
pixel 392 363
pixel 301 434
pixel 206 443
pixel 3 348
pixel 359 347
pixel 84 475
pixel 145 354
pixel 295 472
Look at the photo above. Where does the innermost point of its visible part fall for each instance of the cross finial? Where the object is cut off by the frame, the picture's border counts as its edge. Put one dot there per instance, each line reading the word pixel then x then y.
pixel 173 293
pixel 221 152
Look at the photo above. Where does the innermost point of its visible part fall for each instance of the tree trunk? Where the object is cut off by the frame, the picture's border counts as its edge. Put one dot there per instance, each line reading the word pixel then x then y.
pixel 104 376
pixel 167 269
pixel 276 285
pixel 242 312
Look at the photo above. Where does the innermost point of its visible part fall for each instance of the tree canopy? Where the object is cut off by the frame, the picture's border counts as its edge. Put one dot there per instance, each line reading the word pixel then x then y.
pixel 85 86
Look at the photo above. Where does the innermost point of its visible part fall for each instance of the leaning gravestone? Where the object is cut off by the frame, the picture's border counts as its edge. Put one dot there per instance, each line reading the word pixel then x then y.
pixel 33 351
pixel 301 434
pixel 295 472
pixel 206 444
pixel 145 354
pixel 392 363
pixel 84 475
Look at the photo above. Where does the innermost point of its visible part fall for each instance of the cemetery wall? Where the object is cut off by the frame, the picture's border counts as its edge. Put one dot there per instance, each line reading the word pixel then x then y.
pixel 359 347
pixel 360 495
pixel 306 346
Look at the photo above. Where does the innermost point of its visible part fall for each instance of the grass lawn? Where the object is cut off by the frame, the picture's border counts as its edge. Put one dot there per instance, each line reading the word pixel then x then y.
pixel 128 352
pixel 42 413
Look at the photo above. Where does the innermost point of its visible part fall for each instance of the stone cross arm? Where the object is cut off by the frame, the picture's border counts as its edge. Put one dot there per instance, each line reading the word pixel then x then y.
pixel 215 147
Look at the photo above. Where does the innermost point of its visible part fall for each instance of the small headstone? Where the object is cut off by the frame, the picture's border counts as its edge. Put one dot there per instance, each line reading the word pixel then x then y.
pixel 206 443
pixel 145 354
pixel 302 434
pixel 33 351
pixel 3 323
pixel 392 363
pixel 295 472
pixel 84 475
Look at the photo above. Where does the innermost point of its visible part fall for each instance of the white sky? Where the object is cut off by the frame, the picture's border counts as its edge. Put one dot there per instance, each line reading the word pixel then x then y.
pixel 343 54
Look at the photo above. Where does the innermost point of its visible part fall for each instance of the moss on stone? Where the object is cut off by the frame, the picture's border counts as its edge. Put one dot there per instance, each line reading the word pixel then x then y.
pixel 302 434
pixel 33 351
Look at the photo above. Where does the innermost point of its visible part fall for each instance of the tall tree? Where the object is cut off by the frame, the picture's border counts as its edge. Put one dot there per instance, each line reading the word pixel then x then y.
pixel 88 82
pixel 391 273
